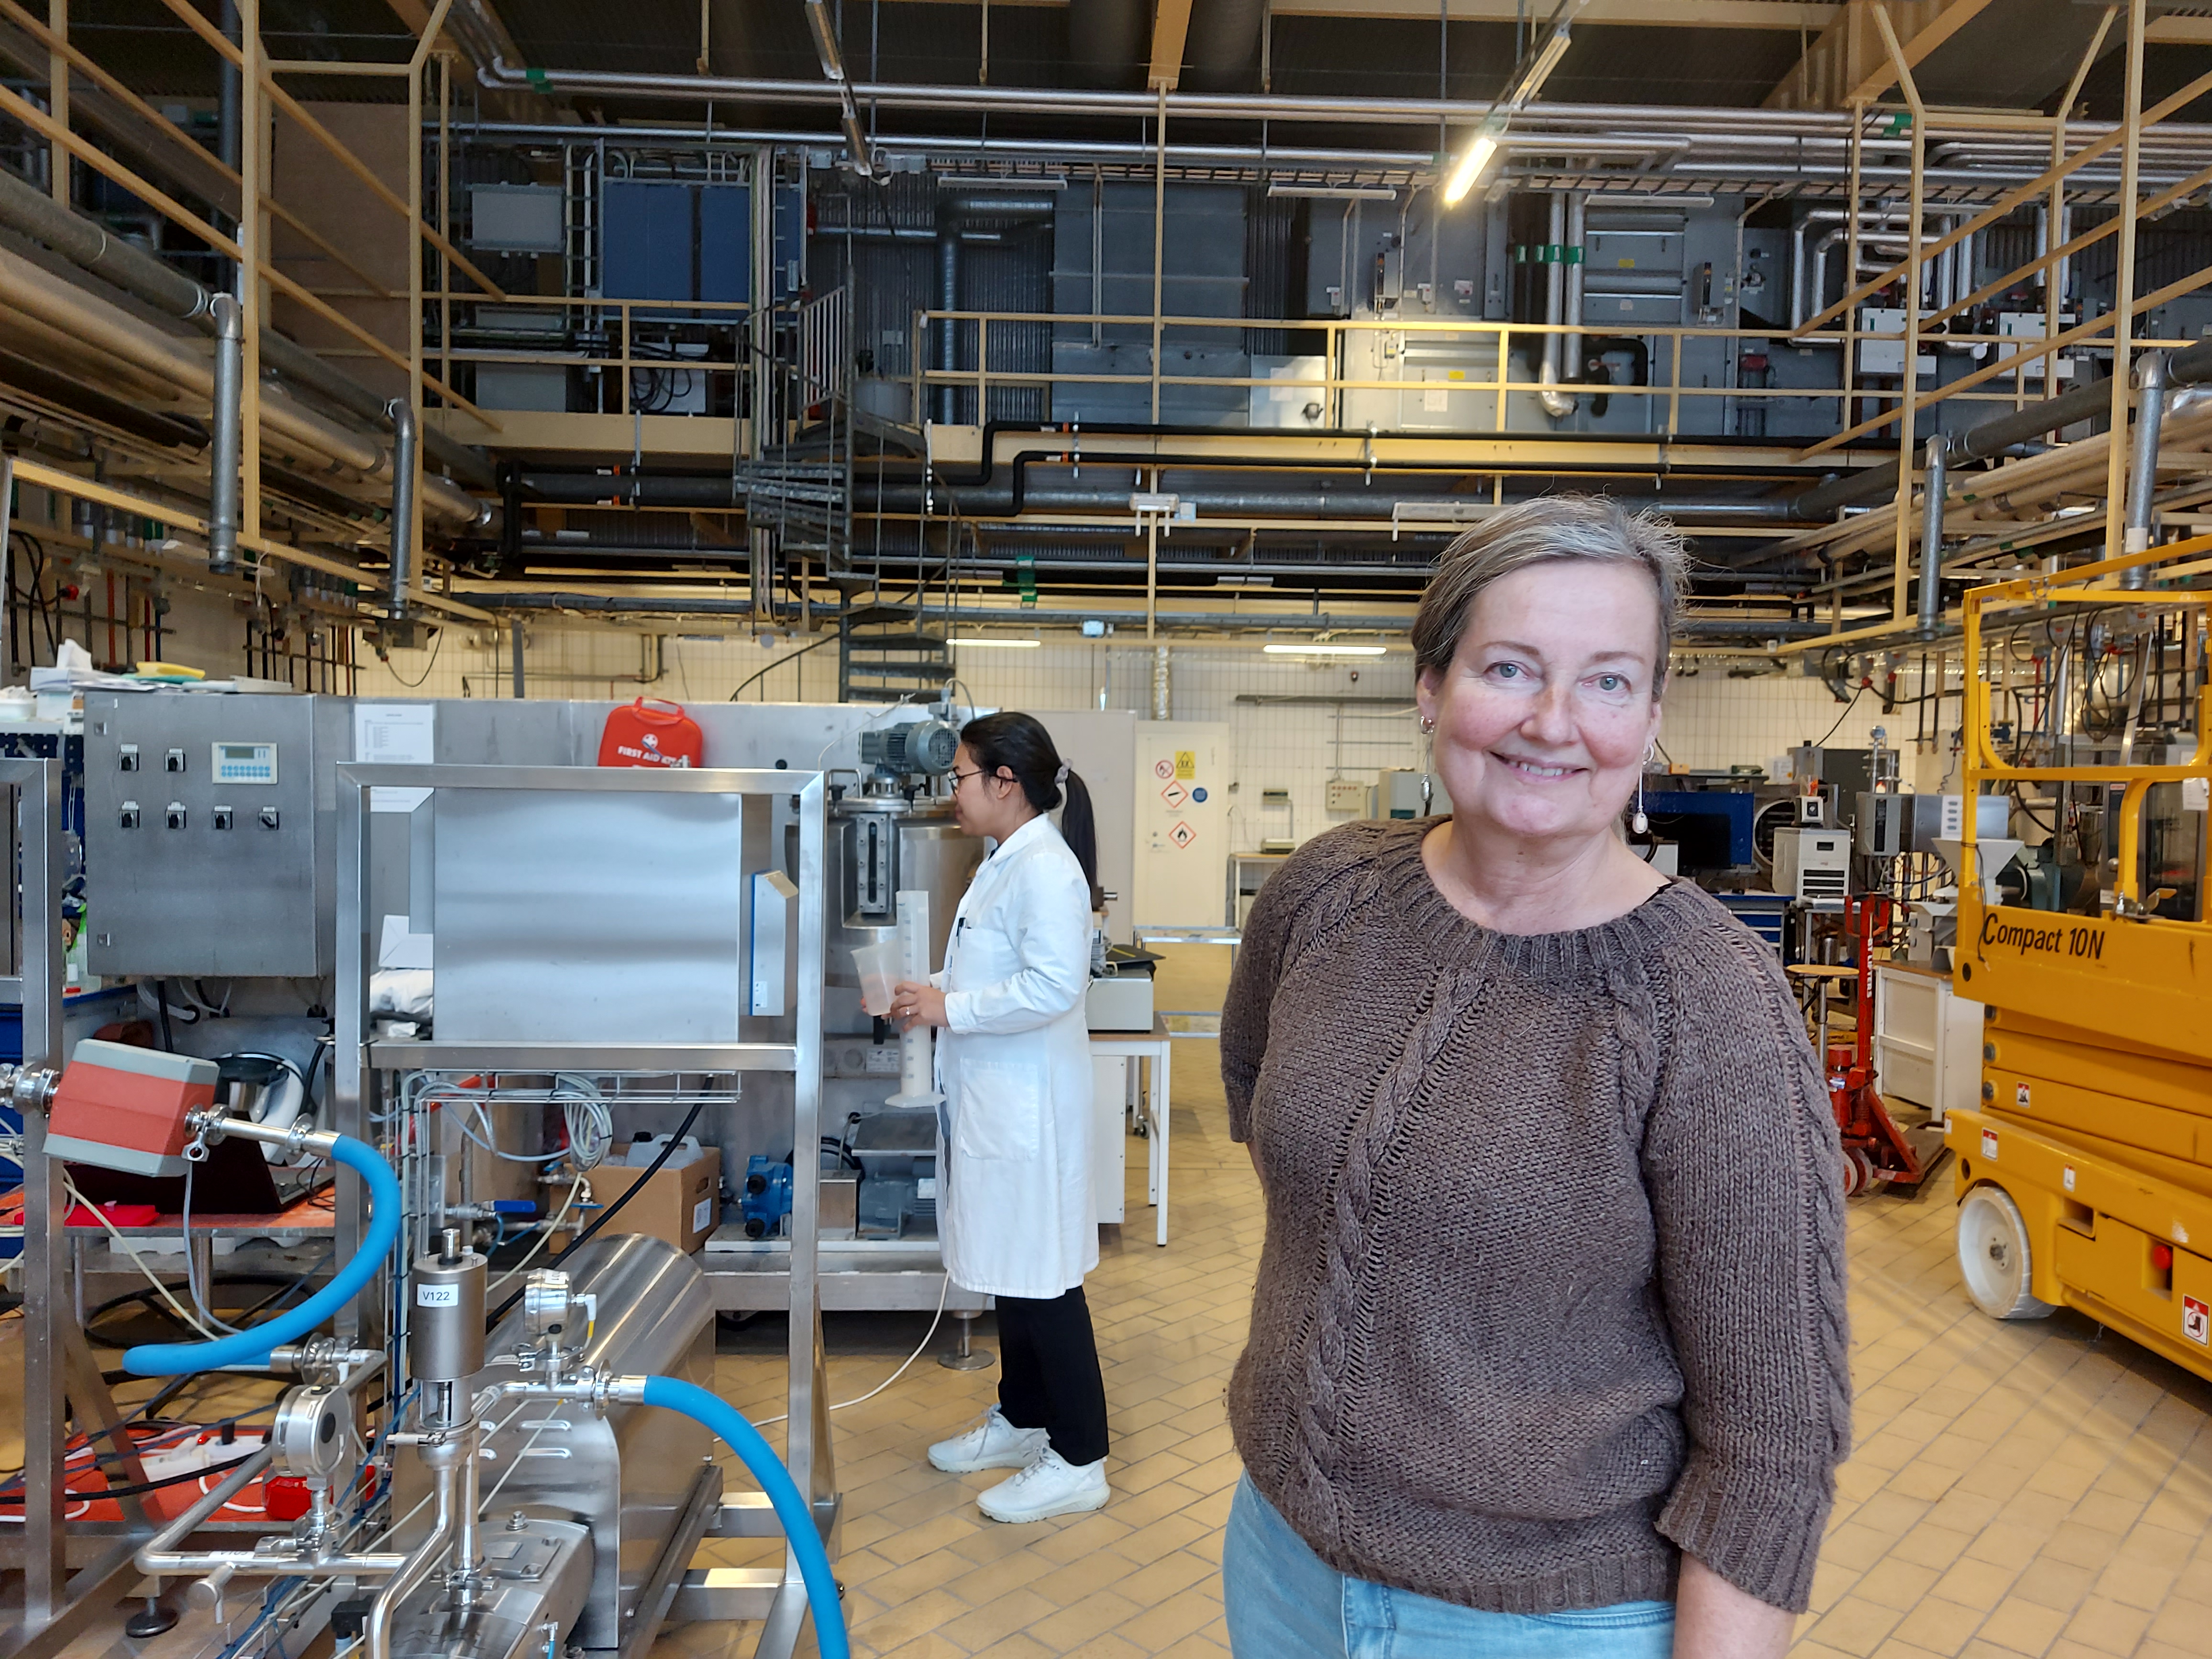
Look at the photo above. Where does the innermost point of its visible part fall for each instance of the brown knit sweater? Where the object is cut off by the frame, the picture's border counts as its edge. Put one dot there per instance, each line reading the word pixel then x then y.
pixel 1553 1280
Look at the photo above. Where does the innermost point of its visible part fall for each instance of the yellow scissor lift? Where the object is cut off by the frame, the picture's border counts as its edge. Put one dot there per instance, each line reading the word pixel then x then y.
pixel 2085 1176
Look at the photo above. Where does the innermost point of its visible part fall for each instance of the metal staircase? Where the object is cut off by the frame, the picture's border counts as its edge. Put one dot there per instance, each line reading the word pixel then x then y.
pixel 885 652
pixel 798 489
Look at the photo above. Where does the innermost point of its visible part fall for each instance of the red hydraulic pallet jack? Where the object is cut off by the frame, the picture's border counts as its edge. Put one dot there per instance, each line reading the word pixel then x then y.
pixel 1877 1149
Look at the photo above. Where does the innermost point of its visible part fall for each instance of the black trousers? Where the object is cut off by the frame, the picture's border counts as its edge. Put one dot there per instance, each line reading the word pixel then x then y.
pixel 1048 1375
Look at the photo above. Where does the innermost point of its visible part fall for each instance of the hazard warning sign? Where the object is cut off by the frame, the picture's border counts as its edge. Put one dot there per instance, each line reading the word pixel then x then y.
pixel 1164 770
pixel 1183 835
pixel 2196 1321
pixel 1175 794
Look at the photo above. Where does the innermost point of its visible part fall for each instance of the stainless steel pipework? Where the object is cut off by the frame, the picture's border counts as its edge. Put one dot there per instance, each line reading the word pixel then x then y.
pixel 228 439
pixel 1931 536
pixel 2143 462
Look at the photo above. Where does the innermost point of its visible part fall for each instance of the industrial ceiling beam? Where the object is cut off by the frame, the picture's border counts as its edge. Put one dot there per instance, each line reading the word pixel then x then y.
pixel 1902 53
pixel 1170 29
pixel 1848 65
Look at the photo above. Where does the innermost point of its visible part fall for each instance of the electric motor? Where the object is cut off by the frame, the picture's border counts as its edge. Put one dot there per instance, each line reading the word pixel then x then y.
pixel 924 748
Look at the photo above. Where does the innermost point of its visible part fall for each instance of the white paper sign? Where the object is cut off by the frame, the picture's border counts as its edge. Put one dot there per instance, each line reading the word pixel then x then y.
pixel 395 734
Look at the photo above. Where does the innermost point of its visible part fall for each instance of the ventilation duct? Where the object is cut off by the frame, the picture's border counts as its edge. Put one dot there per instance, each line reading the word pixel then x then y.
pixel 1106 43
pixel 1222 51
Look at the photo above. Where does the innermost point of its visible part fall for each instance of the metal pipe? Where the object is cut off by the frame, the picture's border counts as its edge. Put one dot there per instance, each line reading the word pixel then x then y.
pixel 223 475
pixel 1792 125
pixel 293 429
pixel 89 246
pixel 1817 299
pixel 2143 470
pixel 1797 274
pixel 1108 497
pixel 1978 443
pixel 1931 536
pixel 405 466
pixel 1578 220
pixel 227 89
pixel 948 299
pixel 376 1633
pixel 1558 404
pixel 1163 685
pixel 81 242
pixel 1746 627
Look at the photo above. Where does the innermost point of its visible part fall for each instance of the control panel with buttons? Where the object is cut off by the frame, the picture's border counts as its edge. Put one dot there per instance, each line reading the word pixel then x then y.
pixel 220 863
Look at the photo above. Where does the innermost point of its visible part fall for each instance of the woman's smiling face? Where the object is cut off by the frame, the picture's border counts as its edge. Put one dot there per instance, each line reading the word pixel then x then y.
pixel 1547 709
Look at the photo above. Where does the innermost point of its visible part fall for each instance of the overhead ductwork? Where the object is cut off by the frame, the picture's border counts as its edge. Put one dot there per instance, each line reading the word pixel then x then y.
pixel 1106 43
pixel 311 440
pixel 1221 53
pixel 170 291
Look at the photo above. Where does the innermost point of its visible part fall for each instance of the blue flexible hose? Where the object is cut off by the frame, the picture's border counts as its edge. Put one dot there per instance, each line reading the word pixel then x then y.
pixel 250 1346
pixel 791 1508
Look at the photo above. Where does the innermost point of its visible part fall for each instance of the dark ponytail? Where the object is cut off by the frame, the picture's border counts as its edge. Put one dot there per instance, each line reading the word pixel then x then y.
pixel 1020 744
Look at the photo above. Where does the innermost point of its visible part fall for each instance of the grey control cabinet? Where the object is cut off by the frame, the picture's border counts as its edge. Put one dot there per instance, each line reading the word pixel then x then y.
pixel 209 826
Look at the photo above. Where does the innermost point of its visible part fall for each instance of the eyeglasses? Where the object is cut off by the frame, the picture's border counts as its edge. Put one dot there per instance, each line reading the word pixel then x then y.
pixel 959 778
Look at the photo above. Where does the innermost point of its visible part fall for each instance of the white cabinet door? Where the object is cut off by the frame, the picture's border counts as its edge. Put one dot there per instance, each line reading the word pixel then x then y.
pixel 1109 1133
pixel 1182 822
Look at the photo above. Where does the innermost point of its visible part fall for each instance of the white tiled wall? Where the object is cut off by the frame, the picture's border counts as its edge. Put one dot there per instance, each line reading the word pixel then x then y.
pixel 1350 728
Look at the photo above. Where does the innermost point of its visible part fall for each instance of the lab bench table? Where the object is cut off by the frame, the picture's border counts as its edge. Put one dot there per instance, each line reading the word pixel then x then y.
pixel 1151 1103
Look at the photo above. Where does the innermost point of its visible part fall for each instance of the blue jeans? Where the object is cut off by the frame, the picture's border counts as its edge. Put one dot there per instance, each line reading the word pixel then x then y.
pixel 1285 1602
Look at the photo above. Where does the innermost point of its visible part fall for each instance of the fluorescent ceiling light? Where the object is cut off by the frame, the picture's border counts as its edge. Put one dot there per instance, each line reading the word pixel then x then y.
pixel 1000 645
pixel 1320 649
pixel 1002 181
pixel 1528 80
pixel 1470 168
pixel 1338 193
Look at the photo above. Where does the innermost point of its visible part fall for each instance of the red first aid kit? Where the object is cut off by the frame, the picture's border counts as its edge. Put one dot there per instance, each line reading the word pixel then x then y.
pixel 124 1108
pixel 651 732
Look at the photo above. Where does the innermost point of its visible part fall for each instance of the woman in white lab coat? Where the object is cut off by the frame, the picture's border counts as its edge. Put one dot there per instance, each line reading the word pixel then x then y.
pixel 1015 1212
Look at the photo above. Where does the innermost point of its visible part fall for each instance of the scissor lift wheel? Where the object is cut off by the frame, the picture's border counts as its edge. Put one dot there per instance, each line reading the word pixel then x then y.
pixel 1994 1256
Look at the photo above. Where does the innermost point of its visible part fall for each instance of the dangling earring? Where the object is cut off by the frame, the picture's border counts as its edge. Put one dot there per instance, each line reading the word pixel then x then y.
pixel 1639 823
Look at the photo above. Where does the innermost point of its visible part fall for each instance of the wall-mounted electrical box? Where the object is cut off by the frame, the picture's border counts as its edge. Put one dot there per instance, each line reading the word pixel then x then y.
pixel 206 849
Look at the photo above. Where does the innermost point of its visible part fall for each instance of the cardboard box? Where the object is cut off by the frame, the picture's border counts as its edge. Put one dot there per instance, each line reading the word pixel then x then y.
pixel 681 1206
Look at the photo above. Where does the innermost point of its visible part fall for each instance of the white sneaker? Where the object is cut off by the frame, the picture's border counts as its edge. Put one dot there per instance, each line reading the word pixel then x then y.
pixel 992 1444
pixel 1049 1486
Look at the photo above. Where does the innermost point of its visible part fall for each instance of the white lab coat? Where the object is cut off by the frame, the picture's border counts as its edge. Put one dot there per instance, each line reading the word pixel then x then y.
pixel 1015 1213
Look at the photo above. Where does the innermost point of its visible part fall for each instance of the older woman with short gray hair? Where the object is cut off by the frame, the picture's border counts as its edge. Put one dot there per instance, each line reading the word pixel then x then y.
pixel 1548 1354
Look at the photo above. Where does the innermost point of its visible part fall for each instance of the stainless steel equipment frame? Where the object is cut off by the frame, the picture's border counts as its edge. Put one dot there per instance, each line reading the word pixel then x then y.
pixel 774 1596
pixel 57 1604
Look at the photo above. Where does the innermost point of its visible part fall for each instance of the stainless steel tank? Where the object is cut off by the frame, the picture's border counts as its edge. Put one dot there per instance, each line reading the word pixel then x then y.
pixel 881 844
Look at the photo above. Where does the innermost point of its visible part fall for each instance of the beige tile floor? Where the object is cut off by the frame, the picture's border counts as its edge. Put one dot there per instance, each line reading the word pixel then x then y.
pixel 2025 1489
